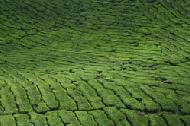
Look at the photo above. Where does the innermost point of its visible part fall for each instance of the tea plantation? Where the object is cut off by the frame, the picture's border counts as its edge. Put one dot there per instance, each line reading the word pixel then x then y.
pixel 94 63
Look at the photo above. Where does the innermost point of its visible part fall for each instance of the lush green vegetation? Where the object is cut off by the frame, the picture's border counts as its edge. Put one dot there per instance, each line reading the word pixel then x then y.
pixel 94 62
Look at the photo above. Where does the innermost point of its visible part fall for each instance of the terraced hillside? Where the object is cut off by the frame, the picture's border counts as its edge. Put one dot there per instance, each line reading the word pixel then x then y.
pixel 94 62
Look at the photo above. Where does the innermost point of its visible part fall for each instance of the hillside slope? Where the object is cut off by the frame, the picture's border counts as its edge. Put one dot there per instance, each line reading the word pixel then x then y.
pixel 94 62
